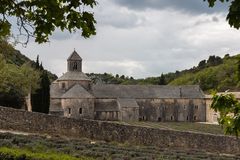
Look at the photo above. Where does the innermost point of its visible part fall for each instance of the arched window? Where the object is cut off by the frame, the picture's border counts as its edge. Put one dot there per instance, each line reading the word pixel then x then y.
pixel 63 86
pixel 80 110
pixel 195 118
pixel 69 110
pixel 74 65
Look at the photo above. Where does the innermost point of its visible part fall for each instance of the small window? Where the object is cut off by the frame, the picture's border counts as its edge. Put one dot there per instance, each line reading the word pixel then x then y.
pixel 187 118
pixel 196 107
pixel 184 107
pixel 75 66
pixel 63 86
pixel 195 118
pixel 69 110
pixel 80 110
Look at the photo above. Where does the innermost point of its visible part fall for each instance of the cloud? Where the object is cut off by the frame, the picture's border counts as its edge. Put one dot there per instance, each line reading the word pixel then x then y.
pixel 142 43
pixel 59 35
pixel 115 16
pixel 191 6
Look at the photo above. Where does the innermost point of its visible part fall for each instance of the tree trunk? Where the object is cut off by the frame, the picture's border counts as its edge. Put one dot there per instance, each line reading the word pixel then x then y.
pixel 28 102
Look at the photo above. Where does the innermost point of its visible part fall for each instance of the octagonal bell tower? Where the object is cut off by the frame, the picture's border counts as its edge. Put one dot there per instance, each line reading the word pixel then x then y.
pixel 74 62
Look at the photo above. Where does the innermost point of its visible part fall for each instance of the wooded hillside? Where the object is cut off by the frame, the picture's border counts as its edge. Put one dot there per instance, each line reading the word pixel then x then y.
pixel 215 73
pixel 19 76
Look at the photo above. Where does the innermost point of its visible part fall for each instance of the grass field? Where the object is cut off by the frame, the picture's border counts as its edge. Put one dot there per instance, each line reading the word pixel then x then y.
pixel 34 147
pixel 180 126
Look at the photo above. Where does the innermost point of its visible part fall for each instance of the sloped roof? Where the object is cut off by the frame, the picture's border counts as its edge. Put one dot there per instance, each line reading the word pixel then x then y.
pixel 236 94
pixel 76 92
pixel 106 105
pixel 127 103
pixel 74 76
pixel 74 56
pixel 146 91
pixel 55 91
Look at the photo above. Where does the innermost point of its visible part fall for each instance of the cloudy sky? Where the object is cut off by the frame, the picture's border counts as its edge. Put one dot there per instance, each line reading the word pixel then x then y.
pixel 143 38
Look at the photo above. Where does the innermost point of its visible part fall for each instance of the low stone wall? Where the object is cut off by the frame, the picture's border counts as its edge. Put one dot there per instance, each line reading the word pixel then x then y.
pixel 12 119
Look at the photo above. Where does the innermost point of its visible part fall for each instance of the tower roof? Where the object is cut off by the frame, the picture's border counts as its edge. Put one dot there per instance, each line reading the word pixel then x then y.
pixel 76 92
pixel 74 56
pixel 73 76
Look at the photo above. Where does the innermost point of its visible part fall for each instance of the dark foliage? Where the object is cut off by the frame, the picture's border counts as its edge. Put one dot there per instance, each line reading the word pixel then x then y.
pixel 41 98
pixel 12 99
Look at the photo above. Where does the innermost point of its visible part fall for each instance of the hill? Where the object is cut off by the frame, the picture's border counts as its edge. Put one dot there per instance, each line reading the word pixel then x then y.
pixel 215 73
pixel 16 75
pixel 15 57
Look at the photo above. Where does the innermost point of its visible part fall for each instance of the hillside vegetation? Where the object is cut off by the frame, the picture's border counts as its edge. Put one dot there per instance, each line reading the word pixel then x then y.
pixel 19 77
pixel 215 73
pixel 222 76
pixel 13 56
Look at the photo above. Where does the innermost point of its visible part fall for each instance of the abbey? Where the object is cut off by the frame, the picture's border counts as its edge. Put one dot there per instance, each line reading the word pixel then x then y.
pixel 74 95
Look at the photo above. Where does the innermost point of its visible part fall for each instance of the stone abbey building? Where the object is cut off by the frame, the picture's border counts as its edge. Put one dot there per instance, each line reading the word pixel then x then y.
pixel 74 95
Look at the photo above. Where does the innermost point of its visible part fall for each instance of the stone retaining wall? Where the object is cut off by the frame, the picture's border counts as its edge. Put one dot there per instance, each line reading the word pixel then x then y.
pixel 12 119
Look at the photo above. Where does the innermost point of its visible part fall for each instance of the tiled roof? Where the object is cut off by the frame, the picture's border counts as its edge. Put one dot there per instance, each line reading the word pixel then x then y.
pixel 55 91
pixel 146 91
pixel 77 92
pixel 110 106
pixel 127 103
pixel 74 56
pixel 74 76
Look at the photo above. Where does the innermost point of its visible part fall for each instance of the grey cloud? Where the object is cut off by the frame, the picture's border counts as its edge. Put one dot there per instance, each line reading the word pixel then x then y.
pixel 116 17
pixel 191 6
pixel 121 20
pixel 59 35
pixel 161 44
pixel 215 19
pixel 207 20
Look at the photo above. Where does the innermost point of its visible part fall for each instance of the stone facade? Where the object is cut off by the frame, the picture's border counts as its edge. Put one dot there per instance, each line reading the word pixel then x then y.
pixel 73 95
pixel 211 115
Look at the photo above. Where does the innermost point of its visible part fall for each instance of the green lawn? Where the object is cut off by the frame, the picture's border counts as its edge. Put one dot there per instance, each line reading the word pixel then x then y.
pixel 9 153
pixel 180 126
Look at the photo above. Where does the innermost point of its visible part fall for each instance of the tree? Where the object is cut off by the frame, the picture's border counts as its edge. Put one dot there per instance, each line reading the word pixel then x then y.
pixel 31 82
pixel 40 18
pixel 214 60
pixel 17 82
pixel 162 80
pixel 22 78
pixel 238 69
pixel 40 99
pixel 229 108
pixel 202 64
pixel 233 16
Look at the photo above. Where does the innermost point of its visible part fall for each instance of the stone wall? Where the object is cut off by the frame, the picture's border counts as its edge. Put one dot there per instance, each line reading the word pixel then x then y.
pixel 183 109
pixel 41 123
pixel 78 108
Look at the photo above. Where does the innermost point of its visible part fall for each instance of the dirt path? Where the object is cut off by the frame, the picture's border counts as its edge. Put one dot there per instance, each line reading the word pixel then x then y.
pixel 15 132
